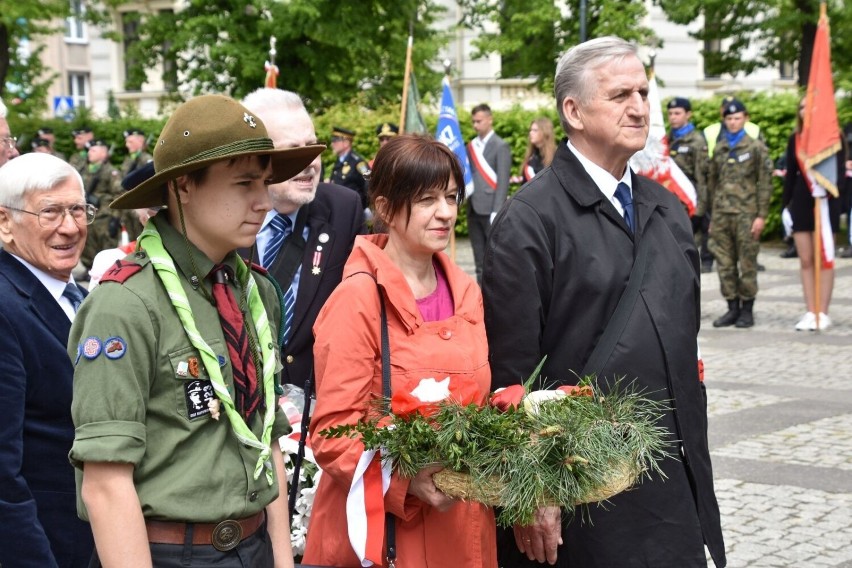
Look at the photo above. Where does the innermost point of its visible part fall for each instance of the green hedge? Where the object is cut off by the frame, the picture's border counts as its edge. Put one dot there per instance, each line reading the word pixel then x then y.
pixel 775 113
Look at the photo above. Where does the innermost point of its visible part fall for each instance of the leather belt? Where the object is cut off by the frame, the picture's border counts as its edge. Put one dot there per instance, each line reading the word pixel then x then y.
pixel 223 536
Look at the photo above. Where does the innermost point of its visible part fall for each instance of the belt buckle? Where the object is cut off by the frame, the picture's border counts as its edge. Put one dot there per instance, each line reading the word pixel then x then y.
pixel 227 535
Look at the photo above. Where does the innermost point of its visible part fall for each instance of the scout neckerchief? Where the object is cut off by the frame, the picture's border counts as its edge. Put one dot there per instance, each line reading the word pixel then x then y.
pixel 151 241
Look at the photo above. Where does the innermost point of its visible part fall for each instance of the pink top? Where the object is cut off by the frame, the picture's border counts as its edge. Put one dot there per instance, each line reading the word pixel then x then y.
pixel 438 305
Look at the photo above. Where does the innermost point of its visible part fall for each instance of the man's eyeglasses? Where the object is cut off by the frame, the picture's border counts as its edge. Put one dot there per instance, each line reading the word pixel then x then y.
pixel 54 215
pixel 9 141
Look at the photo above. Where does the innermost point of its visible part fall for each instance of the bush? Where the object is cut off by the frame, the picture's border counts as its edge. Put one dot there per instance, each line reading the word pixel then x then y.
pixel 774 113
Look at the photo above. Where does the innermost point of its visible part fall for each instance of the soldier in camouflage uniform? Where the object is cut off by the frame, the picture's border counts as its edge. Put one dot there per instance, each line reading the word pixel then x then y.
pixel 688 149
pixel 137 156
pixel 738 188
pixel 103 185
pixel 80 158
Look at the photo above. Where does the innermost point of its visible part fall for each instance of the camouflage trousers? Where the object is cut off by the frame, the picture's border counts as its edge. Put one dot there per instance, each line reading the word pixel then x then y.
pixel 736 254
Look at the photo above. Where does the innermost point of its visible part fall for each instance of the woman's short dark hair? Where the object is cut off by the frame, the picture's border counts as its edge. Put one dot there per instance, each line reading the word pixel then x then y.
pixel 407 167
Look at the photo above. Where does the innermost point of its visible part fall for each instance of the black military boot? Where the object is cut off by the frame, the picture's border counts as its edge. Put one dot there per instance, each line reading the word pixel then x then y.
pixel 746 318
pixel 731 316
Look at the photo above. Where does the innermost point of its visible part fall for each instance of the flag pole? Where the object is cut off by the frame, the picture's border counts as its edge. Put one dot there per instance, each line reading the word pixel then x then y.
pixel 407 78
pixel 817 257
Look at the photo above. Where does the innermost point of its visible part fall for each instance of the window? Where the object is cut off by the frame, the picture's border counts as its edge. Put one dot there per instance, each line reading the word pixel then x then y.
pixel 134 76
pixel 78 86
pixel 712 53
pixel 786 70
pixel 75 25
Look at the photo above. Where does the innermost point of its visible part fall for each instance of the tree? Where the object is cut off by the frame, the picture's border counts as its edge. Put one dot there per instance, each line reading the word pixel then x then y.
pixel 781 31
pixel 23 78
pixel 328 51
pixel 530 35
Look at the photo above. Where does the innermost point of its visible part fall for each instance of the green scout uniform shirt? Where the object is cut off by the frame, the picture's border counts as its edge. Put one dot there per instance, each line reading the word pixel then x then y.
pixel 690 154
pixel 141 403
pixel 740 180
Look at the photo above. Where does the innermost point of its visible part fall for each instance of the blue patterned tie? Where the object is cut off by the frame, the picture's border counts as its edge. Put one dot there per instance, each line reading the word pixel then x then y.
pixel 281 227
pixel 622 193
pixel 74 295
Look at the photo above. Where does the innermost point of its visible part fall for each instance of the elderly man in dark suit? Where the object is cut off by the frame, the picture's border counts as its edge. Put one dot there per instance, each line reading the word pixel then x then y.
pixel 581 238
pixel 307 237
pixel 491 164
pixel 44 220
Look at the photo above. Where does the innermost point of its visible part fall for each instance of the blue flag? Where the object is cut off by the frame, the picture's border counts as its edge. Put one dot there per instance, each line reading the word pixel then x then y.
pixel 449 133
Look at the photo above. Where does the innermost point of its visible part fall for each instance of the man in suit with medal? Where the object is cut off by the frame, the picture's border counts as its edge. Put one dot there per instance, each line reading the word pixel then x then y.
pixel 44 219
pixel 307 237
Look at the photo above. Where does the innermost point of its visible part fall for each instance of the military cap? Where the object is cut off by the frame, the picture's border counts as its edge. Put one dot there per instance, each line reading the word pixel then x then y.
pixel 732 107
pixel 338 132
pixel 96 142
pixel 387 129
pixel 206 130
pixel 81 130
pixel 44 130
pixel 132 131
pixel 680 102
pixel 39 142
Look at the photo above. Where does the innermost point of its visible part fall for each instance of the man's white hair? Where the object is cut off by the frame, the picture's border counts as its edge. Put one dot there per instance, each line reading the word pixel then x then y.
pixel 265 101
pixel 34 172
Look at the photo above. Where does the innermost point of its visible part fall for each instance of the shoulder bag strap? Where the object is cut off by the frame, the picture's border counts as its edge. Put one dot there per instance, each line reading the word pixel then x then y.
pixel 617 322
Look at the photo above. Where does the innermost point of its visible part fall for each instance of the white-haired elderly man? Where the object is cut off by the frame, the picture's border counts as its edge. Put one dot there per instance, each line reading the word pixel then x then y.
pixel 43 224
pixel 572 239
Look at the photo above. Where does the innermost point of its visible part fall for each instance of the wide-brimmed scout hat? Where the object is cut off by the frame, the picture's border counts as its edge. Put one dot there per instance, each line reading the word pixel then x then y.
pixel 205 130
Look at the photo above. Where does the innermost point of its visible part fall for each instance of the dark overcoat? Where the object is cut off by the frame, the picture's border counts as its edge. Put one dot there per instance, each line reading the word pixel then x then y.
pixel 558 259
pixel 38 506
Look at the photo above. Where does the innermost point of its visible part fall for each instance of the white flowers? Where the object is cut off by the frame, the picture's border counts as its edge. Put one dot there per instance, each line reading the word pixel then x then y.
pixel 430 390
pixel 534 400
pixel 309 476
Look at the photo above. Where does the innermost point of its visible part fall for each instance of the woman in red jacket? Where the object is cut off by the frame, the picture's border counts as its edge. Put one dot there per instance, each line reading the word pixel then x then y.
pixel 437 336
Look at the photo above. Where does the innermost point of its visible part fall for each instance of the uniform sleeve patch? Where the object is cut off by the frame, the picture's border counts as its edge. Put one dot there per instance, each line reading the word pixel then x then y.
pixel 198 394
pixel 120 271
pixel 92 347
pixel 115 348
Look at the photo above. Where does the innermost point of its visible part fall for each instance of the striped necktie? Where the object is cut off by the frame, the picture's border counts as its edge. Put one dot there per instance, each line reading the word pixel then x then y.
pixel 622 193
pixel 247 397
pixel 74 295
pixel 281 227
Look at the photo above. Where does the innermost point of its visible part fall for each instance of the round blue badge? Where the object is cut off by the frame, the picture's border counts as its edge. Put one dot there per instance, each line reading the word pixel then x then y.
pixel 115 348
pixel 92 347
pixel 221 360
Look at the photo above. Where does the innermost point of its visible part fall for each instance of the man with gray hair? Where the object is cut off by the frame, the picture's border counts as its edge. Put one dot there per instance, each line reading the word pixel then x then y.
pixel 609 276
pixel 44 219
pixel 307 237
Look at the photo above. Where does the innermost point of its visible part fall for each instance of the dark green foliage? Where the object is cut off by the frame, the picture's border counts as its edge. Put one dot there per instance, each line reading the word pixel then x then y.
pixel 564 452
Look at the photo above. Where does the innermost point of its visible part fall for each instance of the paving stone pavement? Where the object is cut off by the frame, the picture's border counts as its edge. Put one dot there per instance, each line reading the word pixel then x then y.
pixel 780 411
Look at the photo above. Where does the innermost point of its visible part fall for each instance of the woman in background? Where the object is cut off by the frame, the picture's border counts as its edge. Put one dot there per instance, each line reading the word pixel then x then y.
pixel 540 149
pixel 798 199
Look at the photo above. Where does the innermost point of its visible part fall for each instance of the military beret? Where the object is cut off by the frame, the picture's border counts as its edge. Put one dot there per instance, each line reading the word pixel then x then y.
pixel 98 142
pixel 141 174
pixel 40 142
pixel 81 130
pixel 732 107
pixel 338 132
pixel 680 102
pixel 132 131
pixel 387 129
pixel 45 130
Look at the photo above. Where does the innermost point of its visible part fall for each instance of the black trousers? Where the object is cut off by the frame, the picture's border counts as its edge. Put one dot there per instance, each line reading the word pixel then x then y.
pixel 253 552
